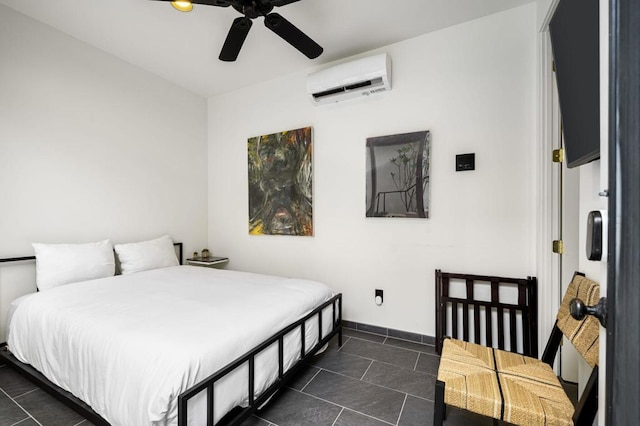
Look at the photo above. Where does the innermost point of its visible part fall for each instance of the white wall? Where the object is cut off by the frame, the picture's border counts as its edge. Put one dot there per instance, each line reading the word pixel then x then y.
pixel 473 86
pixel 91 148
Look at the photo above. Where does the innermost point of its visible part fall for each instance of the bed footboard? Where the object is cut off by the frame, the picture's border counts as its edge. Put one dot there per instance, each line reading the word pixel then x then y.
pixel 483 315
pixel 240 414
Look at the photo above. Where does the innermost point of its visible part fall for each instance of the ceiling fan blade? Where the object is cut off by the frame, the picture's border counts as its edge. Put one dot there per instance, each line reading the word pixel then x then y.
pixel 220 3
pixel 235 39
pixel 279 3
pixel 292 35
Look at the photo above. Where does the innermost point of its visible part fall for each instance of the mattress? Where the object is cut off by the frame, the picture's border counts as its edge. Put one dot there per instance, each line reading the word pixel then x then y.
pixel 12 308
pixel 129 345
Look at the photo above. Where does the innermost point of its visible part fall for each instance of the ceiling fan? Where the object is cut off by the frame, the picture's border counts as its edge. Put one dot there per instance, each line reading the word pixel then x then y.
pixel 252 9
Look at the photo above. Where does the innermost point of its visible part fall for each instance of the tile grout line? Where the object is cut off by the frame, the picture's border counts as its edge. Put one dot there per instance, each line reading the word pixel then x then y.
pixel 337 417
pixel 387 346
pixel 302 391
pixel 388 363
pixel 392 345
pixel 344 342
pixel 368 415
pixel 415 350
pixel 366 382
pixel 365 371
pixel 381 362
pixel 416 364
pixel 29 416
pixel 342 406
pixel 24 420
pixel 27 392
pixel 310 380
pixel 387 387
pixel 343 375
pixel 387 332
pixel 387 336
pixel 269 423
pixel 406 395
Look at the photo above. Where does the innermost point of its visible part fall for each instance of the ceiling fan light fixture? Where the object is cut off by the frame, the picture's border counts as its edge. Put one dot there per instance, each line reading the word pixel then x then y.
pixel 182 5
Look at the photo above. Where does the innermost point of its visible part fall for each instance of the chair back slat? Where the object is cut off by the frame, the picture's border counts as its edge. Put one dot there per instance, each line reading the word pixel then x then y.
pixel 501 328
pixel 465 322
pixel 489 325
pixel 454 319
pixel 526 344
pixel 495 299
pixel 476 324
pixel 465 312
pixel 513 327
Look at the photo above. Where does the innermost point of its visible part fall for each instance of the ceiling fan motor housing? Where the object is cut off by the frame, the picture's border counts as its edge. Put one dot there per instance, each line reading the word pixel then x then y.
pixel 253 9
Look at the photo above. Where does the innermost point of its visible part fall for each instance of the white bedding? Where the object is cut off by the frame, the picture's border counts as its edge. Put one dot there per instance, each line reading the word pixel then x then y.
pixel 129 345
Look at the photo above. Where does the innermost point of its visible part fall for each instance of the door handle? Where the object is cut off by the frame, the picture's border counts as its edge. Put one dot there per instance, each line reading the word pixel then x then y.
pixel 579 310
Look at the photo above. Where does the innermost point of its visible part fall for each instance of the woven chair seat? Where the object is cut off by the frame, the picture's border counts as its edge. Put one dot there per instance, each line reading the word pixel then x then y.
pixel 502 385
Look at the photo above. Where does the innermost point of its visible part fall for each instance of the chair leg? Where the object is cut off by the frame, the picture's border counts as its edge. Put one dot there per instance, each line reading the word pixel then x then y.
pixel 439 407
pixel 587 407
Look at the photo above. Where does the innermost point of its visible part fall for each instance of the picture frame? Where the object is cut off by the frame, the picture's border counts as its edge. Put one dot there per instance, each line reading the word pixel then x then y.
pixel 398 175
pixel 281 183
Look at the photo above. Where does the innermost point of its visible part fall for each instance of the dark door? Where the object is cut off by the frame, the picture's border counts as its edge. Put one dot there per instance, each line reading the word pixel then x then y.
pixel 623 335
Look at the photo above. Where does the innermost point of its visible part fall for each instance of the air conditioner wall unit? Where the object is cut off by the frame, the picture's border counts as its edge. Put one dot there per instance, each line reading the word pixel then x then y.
pixel 362 77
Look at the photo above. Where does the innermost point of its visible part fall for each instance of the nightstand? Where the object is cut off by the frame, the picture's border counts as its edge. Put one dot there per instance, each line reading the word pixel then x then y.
pixel 208 262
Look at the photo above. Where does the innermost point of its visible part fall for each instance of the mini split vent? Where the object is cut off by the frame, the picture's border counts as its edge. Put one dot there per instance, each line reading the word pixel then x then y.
pixel 358 78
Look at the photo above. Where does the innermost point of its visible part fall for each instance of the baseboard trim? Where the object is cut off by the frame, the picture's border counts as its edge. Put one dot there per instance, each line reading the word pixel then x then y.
pixel 390 332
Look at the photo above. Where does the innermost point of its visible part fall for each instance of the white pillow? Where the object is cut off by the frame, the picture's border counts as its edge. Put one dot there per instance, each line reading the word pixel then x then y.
pixel 59 264
pixel 152 254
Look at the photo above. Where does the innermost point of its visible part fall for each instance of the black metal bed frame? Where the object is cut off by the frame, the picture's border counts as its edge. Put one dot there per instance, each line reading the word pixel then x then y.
pixel 237 415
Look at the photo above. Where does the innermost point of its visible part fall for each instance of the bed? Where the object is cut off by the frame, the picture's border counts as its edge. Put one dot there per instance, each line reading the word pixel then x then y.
pixel 181 345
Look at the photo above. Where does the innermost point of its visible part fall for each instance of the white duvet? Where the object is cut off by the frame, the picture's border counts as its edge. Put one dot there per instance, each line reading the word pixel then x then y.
pixel 129 345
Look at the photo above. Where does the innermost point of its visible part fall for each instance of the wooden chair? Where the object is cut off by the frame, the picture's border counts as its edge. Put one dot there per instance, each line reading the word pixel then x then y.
pixel 518 389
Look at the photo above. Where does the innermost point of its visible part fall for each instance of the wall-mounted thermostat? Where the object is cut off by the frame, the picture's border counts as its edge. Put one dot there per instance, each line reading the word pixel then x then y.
pixel 596 235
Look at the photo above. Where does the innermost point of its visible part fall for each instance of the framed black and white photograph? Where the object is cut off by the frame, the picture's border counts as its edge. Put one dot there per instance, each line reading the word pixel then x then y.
pixel 398 175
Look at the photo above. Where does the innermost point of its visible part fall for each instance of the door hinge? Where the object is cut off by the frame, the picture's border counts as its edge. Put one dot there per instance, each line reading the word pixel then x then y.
pixel 558 246
pixel 553 66
pixel 558 155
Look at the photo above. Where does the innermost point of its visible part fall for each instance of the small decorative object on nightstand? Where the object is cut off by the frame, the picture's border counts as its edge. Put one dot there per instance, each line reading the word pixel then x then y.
pixel 209 261
pixel 205 253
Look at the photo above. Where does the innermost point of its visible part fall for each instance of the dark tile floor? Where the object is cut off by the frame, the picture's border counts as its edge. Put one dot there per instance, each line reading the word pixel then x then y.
pixel 372 380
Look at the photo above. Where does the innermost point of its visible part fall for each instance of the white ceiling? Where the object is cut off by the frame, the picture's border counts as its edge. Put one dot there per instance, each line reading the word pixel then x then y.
pixel 184 47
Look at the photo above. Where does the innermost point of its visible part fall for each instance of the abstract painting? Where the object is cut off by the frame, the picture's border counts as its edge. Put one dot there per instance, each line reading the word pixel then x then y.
pixel 280 183
pixel 398 175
